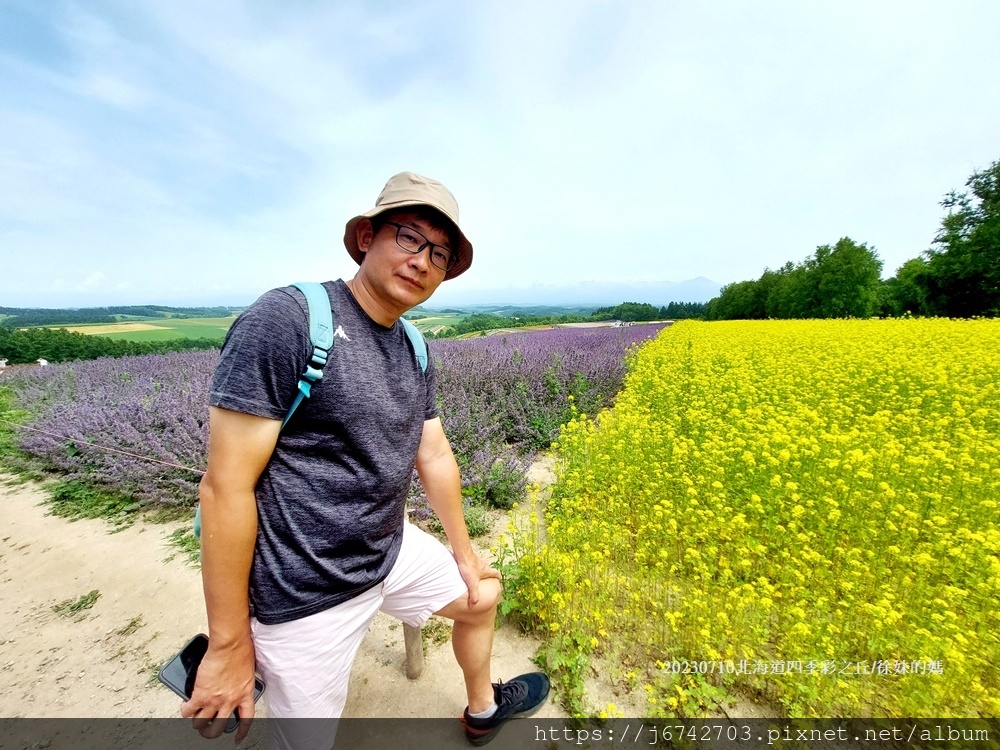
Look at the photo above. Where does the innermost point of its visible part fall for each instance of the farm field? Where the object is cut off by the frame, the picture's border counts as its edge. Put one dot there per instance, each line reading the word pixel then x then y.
pixel 159 330
pixel 801 510
pixel 436 322
pixel 99 329
pixel 501 398
pixel 166 329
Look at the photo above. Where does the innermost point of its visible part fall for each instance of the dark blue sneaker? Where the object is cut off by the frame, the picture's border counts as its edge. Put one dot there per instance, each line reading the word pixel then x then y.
pixel 522 696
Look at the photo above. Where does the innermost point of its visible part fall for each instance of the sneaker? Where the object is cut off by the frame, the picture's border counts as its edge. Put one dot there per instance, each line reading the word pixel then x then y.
pixel 522 696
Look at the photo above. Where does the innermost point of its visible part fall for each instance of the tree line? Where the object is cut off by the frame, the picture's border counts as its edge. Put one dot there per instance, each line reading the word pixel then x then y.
pixel 21 317
pixel 58 345
pixel 644 312
pixel 959 276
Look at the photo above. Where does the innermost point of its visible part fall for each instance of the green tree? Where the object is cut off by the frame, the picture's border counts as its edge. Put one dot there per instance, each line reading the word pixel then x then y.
pixel 792 293
pixel 630 311
pixel 735 302
pixel 27 345
pixel 906 292
pixel 847 280
pixel 682 310
pixel 834 282
pixel 636 311
pixel 963 270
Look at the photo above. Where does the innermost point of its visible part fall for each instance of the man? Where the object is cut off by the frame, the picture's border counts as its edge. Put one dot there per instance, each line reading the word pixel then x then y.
pixel 304 535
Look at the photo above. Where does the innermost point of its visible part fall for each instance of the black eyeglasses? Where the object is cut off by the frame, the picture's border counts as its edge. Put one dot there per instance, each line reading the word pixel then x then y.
pixel 413 242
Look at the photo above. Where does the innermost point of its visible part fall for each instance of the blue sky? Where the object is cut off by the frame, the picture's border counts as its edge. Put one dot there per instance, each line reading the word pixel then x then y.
pixel 189 152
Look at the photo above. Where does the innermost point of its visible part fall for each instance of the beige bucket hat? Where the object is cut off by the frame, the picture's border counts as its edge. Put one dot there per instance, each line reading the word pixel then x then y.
pixel 409 189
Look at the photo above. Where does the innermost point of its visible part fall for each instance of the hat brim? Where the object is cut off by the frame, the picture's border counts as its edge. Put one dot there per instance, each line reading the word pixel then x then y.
pixel 351 236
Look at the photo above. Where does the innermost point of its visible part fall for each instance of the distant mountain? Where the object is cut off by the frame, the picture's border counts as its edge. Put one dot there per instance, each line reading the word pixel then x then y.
pixel 583 294
pixel 541 311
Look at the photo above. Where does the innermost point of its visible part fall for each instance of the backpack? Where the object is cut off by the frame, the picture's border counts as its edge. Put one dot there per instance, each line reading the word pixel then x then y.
pixel 321 338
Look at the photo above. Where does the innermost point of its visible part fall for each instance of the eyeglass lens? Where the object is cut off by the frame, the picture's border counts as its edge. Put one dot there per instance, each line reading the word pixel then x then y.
pixel 413 242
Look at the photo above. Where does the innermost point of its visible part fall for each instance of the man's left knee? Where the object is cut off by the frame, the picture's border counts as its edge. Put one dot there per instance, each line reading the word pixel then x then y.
pixel 484 608
pixel 489 597
pixel 489 594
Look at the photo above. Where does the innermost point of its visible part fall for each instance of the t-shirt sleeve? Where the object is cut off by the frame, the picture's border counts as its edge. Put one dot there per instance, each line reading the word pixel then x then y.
pixel 261 359
pixel 430 407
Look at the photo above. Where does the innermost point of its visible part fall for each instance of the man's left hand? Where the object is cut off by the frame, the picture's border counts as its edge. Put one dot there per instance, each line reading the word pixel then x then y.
pixel 473 571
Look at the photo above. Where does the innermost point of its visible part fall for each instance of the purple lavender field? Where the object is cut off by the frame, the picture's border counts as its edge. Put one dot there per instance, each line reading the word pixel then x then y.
pixel 501 399
pixel 154 406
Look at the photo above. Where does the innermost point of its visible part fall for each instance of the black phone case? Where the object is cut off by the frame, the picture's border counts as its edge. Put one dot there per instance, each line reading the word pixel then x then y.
pixel 180 672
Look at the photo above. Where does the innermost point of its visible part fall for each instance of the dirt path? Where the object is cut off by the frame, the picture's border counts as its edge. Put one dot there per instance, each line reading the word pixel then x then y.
pixel 101 661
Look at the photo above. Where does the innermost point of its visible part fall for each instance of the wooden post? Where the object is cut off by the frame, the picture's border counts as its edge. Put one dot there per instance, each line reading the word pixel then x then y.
pixel 414 651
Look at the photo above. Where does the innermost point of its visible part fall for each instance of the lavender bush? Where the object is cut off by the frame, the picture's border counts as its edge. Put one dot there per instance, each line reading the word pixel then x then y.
pixel 501 398
pixel 522 381
pixel 153 406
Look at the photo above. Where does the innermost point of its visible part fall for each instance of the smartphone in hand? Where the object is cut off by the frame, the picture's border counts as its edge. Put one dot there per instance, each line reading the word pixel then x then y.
pixel 180 673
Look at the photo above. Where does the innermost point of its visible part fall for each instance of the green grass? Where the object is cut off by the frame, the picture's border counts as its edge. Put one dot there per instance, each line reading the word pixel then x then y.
pixel 447 319
pixel 436 632
pixel 74 500
pixel 131 626
pixel 478 520
pixel 152 672
pixel 76 608
pixel 167 330
pixel 10 454
pixel 186 544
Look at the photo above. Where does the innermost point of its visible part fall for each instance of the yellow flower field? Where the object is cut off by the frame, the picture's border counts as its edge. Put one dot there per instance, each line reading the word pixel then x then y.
pixel 805 510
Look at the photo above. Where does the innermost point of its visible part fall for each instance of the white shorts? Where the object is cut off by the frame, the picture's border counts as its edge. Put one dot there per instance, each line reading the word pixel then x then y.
pixel 306 663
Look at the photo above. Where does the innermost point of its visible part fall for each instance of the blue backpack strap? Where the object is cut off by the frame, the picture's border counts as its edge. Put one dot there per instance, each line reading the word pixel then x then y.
pixel 320 337
pixel 417 342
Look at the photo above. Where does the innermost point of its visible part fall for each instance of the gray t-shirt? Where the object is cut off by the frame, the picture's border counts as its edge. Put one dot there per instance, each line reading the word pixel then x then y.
pixel 330 503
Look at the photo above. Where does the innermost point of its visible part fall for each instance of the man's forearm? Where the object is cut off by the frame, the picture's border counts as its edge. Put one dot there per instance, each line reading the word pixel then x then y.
pixel 443 486
pixel 229 533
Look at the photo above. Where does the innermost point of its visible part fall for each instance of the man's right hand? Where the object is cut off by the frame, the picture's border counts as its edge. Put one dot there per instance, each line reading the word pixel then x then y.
pixel 225 682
